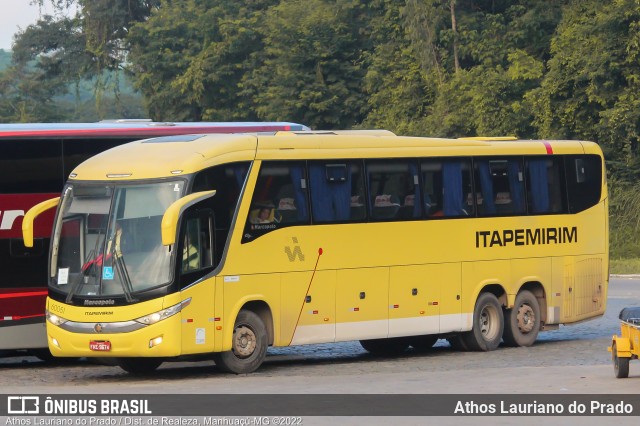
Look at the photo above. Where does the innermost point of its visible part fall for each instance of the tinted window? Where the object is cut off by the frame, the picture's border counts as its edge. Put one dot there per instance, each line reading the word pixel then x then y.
pixel 227 180
pixel 584 181
pixel 545 187
pixel 31 166
pixel 337 191
pixel 394 191
pixel 499 186
pixel 197 247
pixel 447 187
pixel 23 268
pixel 280 199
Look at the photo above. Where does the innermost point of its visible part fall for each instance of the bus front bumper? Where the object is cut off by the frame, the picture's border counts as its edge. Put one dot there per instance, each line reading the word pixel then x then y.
pixel 158 340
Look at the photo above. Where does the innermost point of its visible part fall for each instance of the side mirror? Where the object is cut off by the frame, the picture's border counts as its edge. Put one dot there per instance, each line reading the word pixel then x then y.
pixel 30 217
pixel 169 224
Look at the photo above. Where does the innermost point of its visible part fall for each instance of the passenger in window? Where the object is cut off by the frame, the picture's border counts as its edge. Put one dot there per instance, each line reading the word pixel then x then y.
pixel 263 214
pixel 114 245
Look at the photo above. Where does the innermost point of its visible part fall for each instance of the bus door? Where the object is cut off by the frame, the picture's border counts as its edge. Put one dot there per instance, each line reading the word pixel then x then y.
pixel 196 254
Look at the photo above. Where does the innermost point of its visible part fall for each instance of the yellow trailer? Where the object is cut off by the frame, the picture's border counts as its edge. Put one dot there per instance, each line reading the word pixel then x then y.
pixel 626 346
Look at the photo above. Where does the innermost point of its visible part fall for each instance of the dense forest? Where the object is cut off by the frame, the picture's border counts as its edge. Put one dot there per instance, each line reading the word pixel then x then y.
pixel 556 69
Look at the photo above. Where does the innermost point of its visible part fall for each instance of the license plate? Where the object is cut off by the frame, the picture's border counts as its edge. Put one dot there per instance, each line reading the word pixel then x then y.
pixel 100 345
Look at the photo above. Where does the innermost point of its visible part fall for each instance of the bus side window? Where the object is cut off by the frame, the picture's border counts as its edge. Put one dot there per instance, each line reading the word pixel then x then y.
pixel 501 186
pixel 584 181
pixel 228 181
pixel 544 185
pixel 394 189
pixel 432 187
pixel 446 183
pixel 197 248
pixel 337 191
pixel 279 199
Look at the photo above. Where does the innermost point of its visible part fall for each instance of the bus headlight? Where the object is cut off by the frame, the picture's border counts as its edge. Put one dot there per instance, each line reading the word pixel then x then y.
pixel 54 319
pixel 163 314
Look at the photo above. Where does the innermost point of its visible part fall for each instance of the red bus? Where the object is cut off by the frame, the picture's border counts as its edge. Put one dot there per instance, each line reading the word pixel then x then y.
pixel 35 160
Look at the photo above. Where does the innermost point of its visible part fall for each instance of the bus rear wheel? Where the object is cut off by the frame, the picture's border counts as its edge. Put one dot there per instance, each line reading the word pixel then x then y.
pixel 139 366
pixel 248 348
pixel 385 347
pixel 522 322
pixel 488 324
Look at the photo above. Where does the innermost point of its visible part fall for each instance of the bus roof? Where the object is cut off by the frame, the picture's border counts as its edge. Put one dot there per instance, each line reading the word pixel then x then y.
pixel 177 155
pixel 135 128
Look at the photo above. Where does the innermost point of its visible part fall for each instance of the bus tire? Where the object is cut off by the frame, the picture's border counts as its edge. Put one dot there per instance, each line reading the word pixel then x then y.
pixel 620 364
pixel 423 343
pixel 249 345
pixel 43 354
pixel 385 347
pixel 522 322
pixel 139 366
pixel 457 343
pixel 488 324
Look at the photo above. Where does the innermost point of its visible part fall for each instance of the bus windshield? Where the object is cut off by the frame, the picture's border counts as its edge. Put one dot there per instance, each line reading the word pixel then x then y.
pixel 106 240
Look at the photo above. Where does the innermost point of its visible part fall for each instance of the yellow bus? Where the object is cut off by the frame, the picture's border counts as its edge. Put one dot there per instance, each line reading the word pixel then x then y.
pixel 223 245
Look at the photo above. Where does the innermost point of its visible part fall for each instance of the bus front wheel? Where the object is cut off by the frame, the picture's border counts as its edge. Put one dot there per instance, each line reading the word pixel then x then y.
pixel 248 348
pixel 488 324
pixel 139 366
pixel 522 322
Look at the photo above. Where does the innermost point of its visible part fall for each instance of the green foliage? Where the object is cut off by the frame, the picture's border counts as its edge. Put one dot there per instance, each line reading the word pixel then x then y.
pixel 624 221
pixel 590 90
pixel 189 58
pixel 5 59
pixel 59 53
pixel 311 68
pixel 25 99
pixel 401 72
pixel 624 266
pixel 531 68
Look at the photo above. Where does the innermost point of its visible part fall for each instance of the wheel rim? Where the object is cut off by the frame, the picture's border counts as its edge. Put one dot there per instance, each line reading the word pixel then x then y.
pixel 244 342
pixel 526 319
pixel 488 322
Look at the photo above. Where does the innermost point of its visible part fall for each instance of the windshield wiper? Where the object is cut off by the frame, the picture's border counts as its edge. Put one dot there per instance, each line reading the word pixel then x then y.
pixel 90 267
pixel 126 281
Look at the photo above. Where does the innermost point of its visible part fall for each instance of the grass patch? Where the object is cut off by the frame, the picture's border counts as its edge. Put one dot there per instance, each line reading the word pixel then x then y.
pixel 624 266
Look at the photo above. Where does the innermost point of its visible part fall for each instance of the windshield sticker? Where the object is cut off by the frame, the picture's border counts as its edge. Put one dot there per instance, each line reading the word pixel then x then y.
pixel 176 188
pixel 107 273
pixel 63 276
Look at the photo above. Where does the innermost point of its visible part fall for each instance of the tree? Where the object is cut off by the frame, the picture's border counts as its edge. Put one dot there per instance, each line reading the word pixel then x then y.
pixel 591 88
pixel 24 98
pixel 470 64
pixel 397 83
pixel 91 45
pixel 311 68
pixel 189 58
